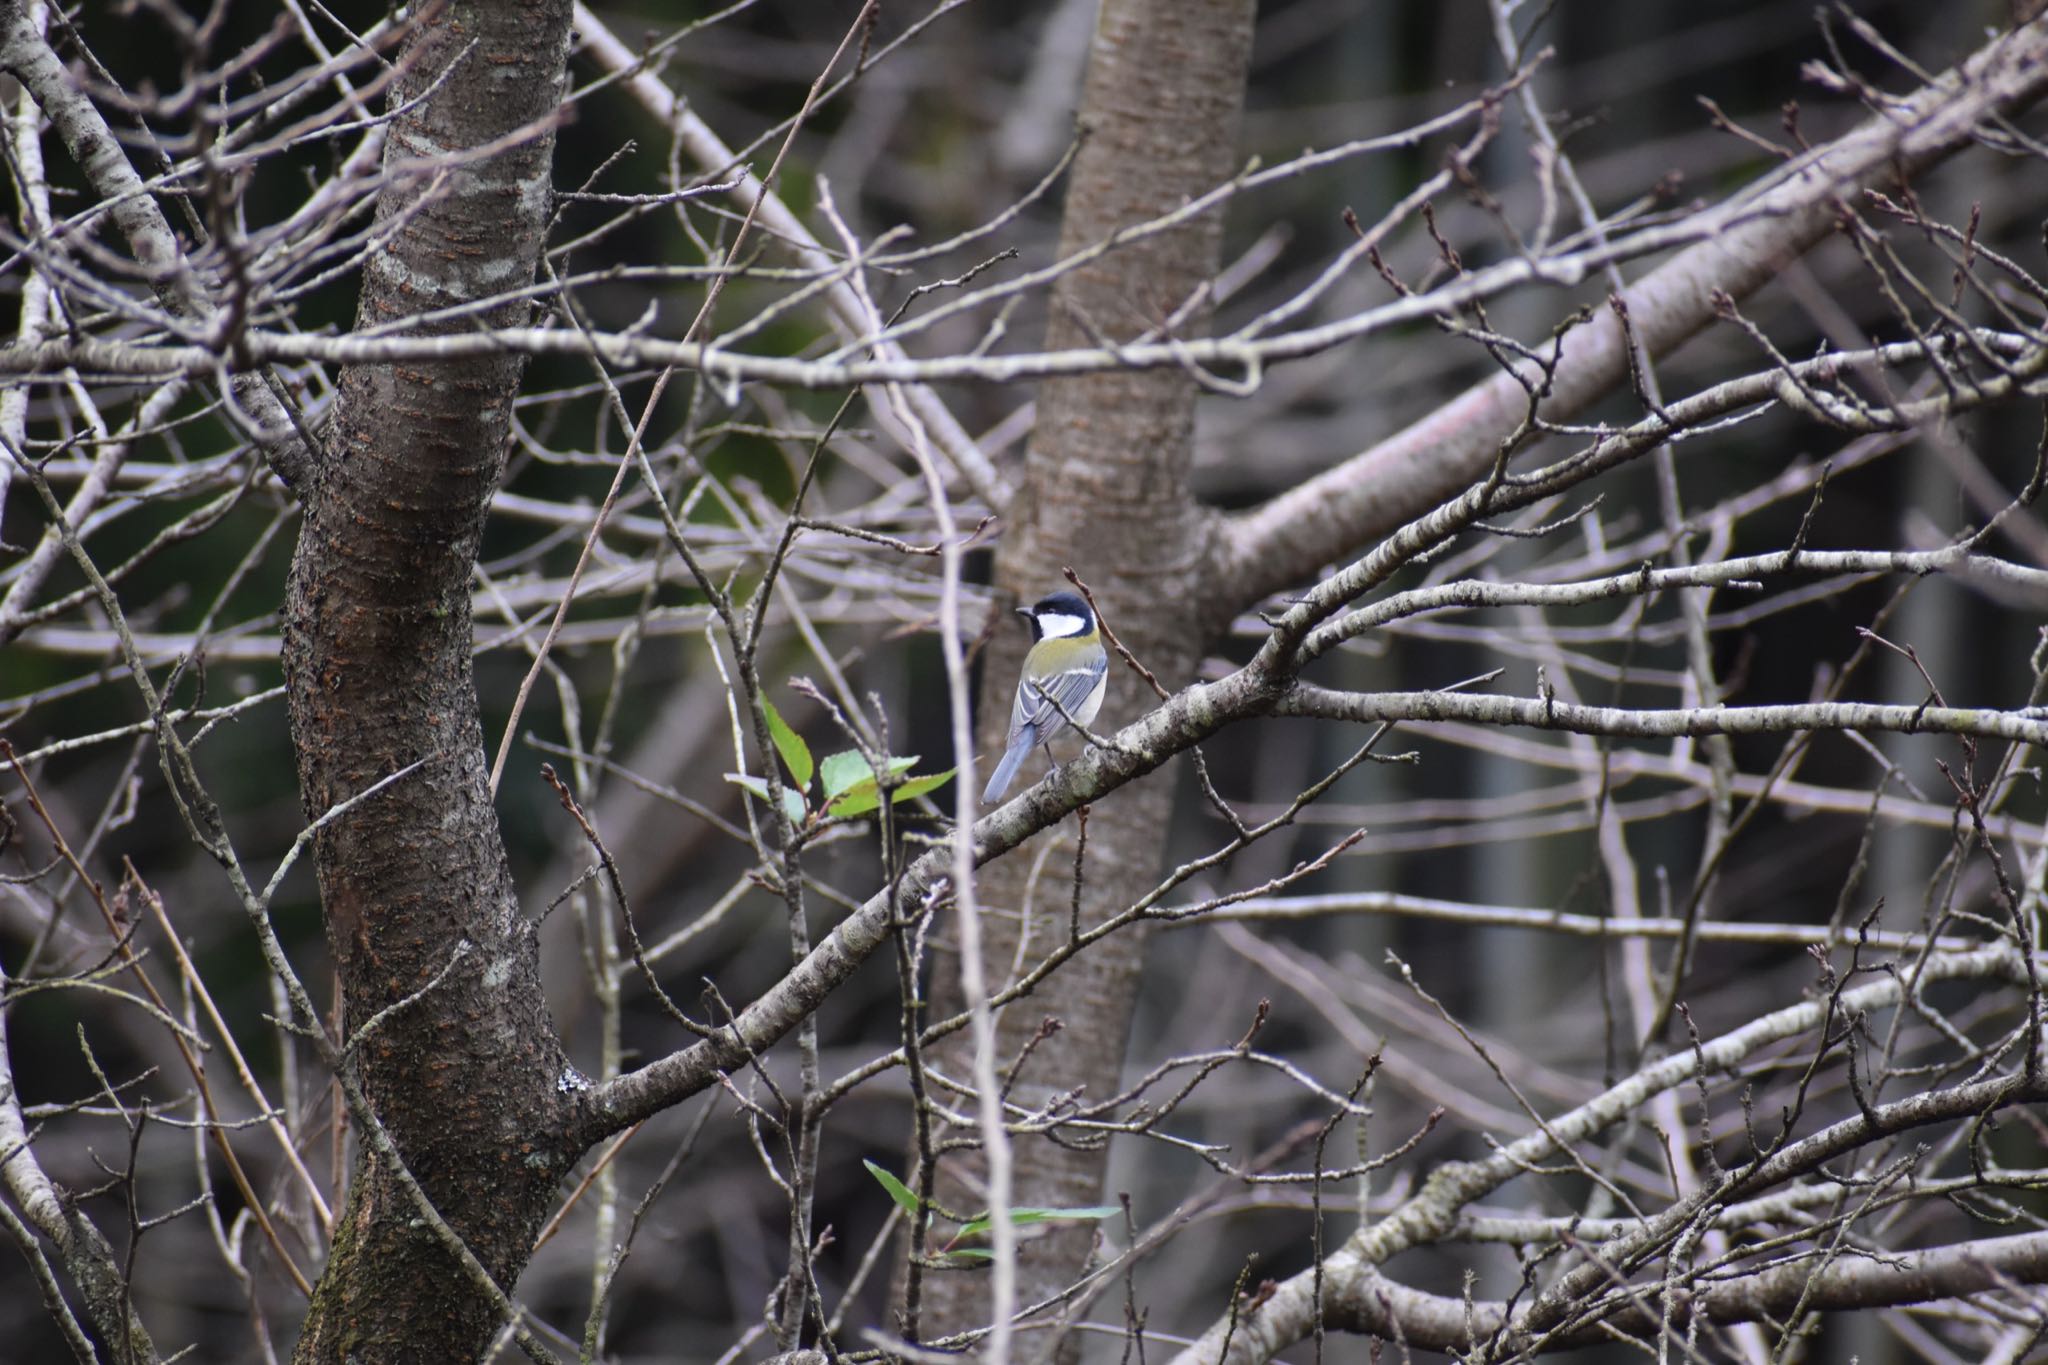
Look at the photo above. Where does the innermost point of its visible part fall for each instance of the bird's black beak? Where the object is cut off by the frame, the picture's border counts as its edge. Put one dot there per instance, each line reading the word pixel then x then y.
pixel 1024 612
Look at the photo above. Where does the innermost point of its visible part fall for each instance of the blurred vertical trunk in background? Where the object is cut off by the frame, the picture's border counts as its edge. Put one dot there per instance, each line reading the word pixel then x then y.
pixel 1105 491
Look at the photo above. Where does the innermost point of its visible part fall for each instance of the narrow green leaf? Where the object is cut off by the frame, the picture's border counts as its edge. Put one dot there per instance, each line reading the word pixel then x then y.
pixel 1092 1214
pixel 792 801
pixel 918 786
pixel 796 755
pixel 746 783
pixel 1024 1218
pixel 968 1254
pixel 898 1191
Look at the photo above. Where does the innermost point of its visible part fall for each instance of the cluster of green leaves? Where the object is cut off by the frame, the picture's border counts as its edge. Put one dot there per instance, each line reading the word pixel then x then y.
pixel 952 1252
pixel 846 783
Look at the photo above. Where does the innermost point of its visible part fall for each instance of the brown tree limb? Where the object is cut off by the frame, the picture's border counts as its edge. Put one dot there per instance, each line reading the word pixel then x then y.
pixel 377 658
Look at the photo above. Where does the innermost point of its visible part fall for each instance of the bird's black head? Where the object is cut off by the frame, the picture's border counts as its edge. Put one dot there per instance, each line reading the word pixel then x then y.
pixel 1059 616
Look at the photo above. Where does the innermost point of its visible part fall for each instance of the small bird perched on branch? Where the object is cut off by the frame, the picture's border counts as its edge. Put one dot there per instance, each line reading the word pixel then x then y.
pixel 1064 677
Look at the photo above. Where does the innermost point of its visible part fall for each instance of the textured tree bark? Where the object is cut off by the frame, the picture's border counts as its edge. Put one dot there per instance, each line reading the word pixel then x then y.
pixel 377 660
pixel 1106 491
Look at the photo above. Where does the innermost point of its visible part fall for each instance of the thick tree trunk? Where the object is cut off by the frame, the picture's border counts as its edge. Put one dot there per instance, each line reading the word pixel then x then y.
pixel 377 659
pixel 1106 491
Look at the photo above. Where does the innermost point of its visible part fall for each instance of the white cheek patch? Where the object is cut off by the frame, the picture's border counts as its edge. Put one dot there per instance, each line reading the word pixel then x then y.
pixel 1057 625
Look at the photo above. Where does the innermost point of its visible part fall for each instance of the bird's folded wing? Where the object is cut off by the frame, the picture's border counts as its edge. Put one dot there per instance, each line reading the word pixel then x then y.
pixel 1069 688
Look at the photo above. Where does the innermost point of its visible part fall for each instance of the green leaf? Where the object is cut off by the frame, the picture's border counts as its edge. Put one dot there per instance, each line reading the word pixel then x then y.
pixel 858 799
pixel 842 772
pixel 1093 1214
pixel 863 796
pixel 966 1254
pixel 796 755
pixel 918 786
pixel 898 1191
pixel 792 801
pixel 1024 1218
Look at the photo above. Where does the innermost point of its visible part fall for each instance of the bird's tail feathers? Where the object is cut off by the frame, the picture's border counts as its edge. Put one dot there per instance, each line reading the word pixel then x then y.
pixel 1006 771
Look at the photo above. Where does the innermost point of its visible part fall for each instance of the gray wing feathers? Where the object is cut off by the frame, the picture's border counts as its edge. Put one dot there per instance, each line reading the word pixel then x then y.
pixel 1033 717
pixel 1071 689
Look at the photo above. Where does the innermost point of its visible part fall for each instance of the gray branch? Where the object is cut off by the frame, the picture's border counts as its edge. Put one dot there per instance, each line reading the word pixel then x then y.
pixel 26 55
pixel 2029 726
